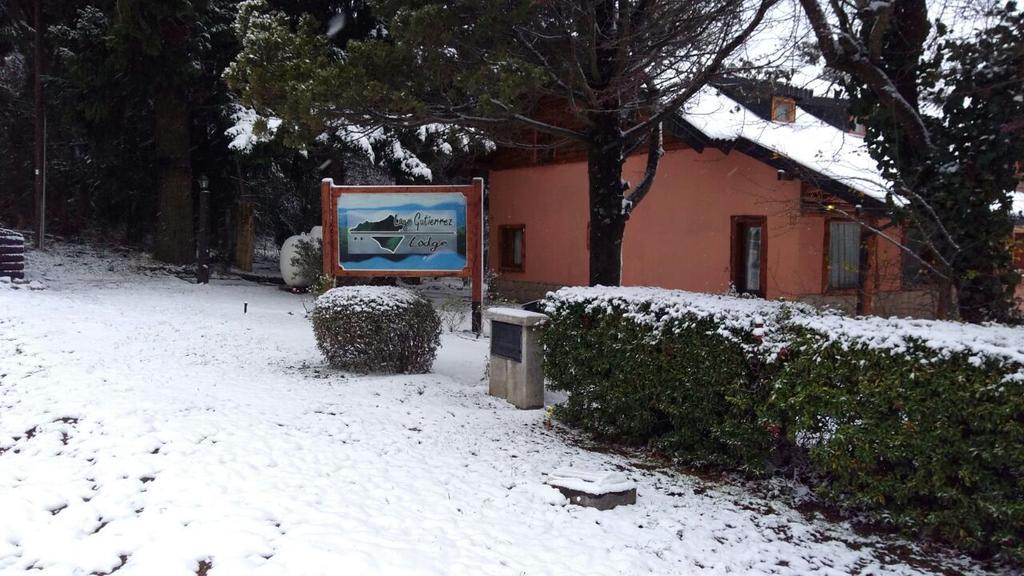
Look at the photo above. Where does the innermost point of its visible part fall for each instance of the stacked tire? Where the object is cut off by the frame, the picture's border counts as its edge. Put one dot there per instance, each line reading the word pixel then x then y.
pixel 12 254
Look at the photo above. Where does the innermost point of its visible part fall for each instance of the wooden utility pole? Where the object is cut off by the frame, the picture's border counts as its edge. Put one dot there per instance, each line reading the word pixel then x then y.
pixel 40 126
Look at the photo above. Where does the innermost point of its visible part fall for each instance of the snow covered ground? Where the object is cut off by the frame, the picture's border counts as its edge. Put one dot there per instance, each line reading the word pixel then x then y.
pixel 149 427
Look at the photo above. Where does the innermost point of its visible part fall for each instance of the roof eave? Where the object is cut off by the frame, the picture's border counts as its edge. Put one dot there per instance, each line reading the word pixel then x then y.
pixel 687 132
pixel 824 182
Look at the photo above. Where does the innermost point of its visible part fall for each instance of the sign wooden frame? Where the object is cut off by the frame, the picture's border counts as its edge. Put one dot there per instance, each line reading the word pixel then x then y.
pixel 330 195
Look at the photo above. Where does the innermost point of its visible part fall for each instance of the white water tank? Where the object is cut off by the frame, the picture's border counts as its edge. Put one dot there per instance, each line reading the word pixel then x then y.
pixel 292 274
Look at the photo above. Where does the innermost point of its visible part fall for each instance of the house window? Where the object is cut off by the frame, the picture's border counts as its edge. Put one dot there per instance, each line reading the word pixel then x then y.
pixel 783 109
pixel 513 248
pixel 749 254
pixel 843 255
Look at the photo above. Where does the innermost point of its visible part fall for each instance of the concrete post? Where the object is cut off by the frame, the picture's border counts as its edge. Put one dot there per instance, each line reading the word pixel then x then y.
pixel 517 359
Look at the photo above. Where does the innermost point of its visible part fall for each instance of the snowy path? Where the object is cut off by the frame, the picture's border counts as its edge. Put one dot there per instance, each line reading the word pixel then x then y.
pixel 148 427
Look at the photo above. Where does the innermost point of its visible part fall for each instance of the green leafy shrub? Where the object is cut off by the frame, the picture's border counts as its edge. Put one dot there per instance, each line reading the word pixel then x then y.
pixel 920 436
pixel 309 257
pixel 916 424
pixel 678 374
pixel 376 329
pixel 321 284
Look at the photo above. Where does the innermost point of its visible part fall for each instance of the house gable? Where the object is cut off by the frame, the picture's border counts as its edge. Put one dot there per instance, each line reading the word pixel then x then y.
pixel 832 163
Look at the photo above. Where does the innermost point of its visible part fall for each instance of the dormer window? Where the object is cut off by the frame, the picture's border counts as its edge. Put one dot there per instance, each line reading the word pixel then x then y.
pixel 783 109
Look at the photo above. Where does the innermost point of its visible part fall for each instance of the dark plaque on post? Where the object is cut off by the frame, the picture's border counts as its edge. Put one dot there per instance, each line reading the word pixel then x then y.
pixel 507 340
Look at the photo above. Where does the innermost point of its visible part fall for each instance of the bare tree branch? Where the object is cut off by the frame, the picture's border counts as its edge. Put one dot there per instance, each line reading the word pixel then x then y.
pixel 844 52
pixel 655 150
pixel 706 73
pixel 880 232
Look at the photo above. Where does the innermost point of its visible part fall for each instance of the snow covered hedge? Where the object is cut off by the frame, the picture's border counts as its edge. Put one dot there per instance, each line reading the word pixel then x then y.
pixel 684 371
pixel 918 424
pixel 919 421
pixel 376 329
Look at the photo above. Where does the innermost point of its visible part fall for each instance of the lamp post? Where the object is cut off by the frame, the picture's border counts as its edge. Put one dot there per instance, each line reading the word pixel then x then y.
pixel 203 269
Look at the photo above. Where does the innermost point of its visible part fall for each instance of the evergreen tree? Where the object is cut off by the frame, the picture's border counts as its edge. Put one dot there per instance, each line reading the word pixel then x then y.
pixel 981 91
pixel 138 85
pixel 154 36
pixel 104 77
pixel 285 45
pixel 16 113
pixel 952 172
pixel 101 167
pixel 616 70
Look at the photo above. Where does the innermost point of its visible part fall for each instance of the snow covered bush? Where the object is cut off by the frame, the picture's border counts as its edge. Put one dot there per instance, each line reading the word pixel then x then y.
pixel 376 329
pixel 918 423
pixel 684 372
pixel 913 423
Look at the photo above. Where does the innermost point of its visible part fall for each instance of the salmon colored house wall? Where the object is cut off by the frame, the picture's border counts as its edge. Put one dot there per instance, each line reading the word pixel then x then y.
pixel 551 201
pixel 682 237
pixel 679 237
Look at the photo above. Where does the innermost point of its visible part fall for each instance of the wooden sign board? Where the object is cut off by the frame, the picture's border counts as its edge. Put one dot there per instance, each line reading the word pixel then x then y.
pixel 405 231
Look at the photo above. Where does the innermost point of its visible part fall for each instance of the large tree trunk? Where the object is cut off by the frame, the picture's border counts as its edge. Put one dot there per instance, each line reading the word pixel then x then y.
pixel 175 242
pixel 245 235
pixel 607 220
pixel 243 239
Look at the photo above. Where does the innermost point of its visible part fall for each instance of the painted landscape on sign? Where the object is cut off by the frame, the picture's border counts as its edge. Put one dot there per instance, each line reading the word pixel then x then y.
pixel 402 231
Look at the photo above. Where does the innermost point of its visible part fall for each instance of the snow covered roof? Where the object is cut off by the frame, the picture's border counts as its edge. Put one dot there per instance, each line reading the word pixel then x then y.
pixel 821 154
